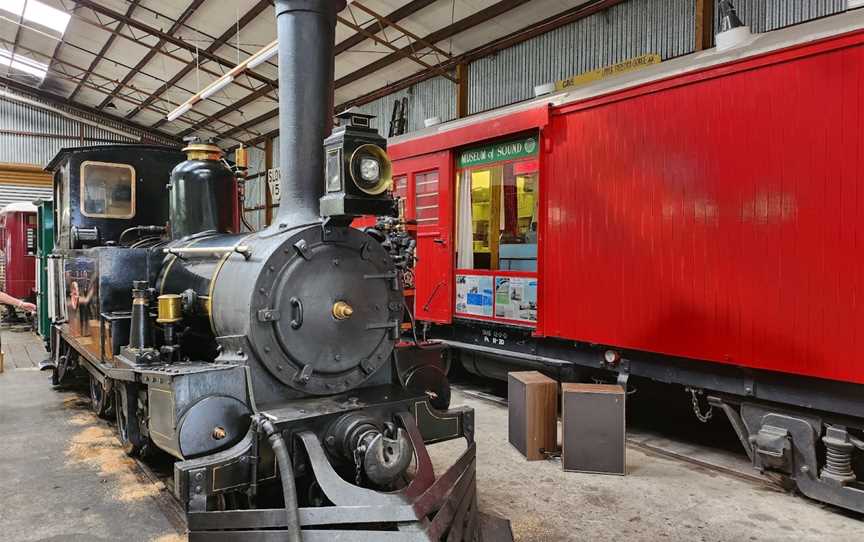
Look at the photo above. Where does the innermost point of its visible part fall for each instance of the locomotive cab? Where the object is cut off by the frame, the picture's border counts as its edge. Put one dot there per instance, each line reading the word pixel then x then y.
pixel 100 191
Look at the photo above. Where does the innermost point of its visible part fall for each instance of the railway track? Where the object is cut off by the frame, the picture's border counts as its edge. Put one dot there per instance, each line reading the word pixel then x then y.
pixel 705 458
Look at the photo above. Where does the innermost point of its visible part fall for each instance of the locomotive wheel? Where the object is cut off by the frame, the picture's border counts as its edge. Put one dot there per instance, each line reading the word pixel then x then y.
pixel 125 408
pixel 100 397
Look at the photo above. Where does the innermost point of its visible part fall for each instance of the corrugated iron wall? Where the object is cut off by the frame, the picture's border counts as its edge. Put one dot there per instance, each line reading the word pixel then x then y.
pixel 664 27
pixel 766 15
pixel 13 193
pixel 434 97
pixel 629 29
pixel 30 135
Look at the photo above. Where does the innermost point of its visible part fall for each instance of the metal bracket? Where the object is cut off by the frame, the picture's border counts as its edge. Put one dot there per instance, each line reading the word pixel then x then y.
pixel 269 315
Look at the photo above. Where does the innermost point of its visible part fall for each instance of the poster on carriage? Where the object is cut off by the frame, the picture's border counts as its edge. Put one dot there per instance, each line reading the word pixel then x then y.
pixel 516 298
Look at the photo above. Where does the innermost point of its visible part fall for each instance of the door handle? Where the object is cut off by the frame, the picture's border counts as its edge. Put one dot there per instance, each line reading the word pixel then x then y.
pixel 440 241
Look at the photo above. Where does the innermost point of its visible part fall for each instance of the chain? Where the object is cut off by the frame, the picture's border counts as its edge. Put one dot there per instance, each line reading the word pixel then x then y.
pixel 695 400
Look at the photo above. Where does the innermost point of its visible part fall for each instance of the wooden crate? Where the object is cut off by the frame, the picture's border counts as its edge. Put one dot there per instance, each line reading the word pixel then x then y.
pixel 593 429
pixel 533 413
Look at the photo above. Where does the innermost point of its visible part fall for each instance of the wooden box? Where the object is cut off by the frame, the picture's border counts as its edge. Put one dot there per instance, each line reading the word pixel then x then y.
pixel 593 430
pixel 533 413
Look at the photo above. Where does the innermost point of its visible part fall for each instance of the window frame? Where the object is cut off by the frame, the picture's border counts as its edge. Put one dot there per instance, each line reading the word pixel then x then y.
pixel 81 191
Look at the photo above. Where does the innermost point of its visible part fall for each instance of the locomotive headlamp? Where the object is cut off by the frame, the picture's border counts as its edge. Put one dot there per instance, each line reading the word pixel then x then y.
pixel 370 169
pixel 358 172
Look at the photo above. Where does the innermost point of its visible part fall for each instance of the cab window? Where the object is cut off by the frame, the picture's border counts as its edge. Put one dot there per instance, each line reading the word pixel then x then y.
pixel 107 190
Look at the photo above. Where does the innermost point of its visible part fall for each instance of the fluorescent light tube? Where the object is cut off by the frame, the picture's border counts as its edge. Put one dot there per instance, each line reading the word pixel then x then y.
pixel 216 87
pixel 263 57
pixel 174 115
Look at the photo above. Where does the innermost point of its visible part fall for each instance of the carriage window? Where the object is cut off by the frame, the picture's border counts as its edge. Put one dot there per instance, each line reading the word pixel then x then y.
pixel 107 190
pixel 497 202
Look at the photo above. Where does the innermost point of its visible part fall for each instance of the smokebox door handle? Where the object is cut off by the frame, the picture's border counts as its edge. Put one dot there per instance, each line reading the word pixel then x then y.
pixel 296 312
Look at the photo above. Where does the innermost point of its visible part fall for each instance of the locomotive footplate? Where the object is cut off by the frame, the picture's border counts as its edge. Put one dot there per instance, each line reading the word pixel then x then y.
pixel 332 502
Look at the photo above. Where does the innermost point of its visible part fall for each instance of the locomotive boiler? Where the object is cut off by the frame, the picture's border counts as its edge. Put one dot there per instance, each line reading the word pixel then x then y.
pixel 265 362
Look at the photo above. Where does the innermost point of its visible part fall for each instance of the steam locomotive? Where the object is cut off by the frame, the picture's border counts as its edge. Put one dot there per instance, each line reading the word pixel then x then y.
pixel 264 362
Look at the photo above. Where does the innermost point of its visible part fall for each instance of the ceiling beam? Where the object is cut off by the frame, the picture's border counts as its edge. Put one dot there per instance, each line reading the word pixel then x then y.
pixel 63 104
pixel 467 23
pixel 104 50
pixel 173 40
pixel 188 12
pixel 439 35
pixel 105 28
pixel 385 21
pixel 405 11
pixel 248 17
pixel 531 31
pixel 243 102
pixel 359 37
pixel 18 32
pixel 78 79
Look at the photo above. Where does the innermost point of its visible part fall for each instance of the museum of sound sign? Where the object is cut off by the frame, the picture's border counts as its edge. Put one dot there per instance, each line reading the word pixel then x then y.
pixel 499 152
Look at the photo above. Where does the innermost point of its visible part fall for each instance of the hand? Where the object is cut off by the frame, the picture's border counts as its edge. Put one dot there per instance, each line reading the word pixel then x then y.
pixel 29 307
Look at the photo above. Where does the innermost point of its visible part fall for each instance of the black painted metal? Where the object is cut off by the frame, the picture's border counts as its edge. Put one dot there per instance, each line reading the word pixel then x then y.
pixel 200 197
pixel 152 165
pixel 484 349
pixel 306 30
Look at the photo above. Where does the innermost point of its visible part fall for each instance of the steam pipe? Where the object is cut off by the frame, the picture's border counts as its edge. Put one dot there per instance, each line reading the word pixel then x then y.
pixel 306 32
pixel 286 475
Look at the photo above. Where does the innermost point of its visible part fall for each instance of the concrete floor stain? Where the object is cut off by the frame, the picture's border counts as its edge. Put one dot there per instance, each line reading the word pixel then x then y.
pixel 96 446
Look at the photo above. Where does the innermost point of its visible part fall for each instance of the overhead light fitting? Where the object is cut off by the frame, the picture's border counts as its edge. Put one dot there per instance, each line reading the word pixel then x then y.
pixel 215 87
pixel 261 57
pixel 253 61
pixel 174 115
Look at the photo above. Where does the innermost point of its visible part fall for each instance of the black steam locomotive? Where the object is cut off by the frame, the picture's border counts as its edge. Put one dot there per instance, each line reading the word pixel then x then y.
pixel 265 362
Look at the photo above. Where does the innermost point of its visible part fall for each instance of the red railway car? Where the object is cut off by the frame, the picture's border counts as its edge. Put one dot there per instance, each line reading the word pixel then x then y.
pixel 18 241
pixel 697 222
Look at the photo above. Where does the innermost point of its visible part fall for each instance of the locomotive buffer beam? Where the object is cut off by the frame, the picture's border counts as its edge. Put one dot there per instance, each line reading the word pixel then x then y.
pixel 426 509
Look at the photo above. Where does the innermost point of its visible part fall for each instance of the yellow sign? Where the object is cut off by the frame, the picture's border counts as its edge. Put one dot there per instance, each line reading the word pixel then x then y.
pixel 628 65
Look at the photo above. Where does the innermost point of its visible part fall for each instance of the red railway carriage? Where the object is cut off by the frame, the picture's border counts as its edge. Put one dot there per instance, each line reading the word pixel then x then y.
pixel 18 239
pixel 697 222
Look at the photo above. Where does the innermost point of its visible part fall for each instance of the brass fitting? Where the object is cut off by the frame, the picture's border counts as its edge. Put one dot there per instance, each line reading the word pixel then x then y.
pixel 342 310
pixel 170 309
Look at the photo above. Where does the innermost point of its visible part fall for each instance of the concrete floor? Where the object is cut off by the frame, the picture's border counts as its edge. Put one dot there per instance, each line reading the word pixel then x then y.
pixel 659 499
pixel 63 475
pixel 66 479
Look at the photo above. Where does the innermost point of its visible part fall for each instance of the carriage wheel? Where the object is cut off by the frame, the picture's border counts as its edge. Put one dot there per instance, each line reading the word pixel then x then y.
pixel 125 408
pixel 100 397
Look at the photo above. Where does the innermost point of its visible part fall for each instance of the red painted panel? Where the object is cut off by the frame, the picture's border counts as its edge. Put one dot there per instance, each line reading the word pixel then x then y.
pixel 20 262
pixel 717 220
pixel 429 187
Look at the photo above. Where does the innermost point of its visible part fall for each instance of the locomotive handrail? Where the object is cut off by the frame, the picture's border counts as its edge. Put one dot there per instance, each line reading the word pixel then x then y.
pixel 243 250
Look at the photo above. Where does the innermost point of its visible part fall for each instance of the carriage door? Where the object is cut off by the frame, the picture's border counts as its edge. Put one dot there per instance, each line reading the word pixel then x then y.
pixel 429 180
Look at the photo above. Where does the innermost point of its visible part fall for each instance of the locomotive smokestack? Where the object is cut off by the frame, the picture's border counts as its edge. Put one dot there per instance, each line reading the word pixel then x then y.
pixel 306 31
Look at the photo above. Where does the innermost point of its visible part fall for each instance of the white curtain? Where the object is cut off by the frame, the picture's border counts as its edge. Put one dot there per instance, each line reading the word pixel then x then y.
pixel 465 225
